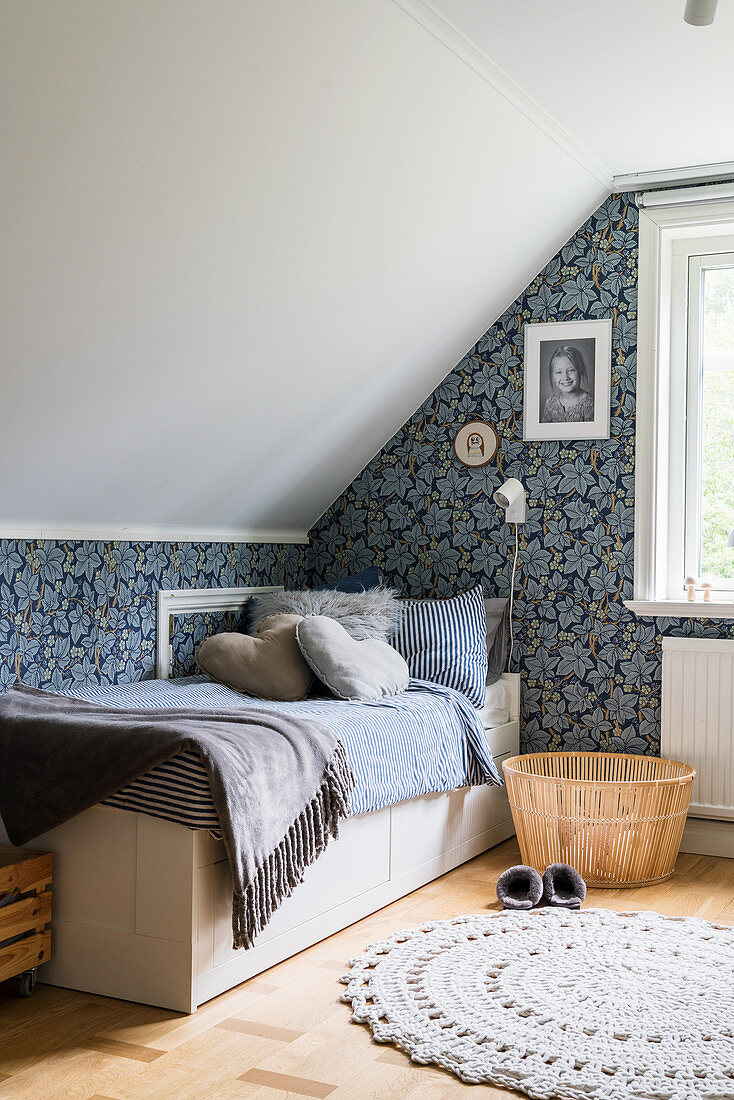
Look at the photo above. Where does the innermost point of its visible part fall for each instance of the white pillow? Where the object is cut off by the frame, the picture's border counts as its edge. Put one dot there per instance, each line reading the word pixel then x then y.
pixel 496 710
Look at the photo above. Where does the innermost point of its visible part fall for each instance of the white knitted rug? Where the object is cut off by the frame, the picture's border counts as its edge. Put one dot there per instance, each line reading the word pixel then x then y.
pixel 592 1004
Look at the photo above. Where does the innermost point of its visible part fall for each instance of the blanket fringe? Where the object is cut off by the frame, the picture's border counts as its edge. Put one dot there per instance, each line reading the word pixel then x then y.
pixel 304 842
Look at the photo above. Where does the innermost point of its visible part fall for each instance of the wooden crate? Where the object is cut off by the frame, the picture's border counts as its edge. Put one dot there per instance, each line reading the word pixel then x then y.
pixel 25 921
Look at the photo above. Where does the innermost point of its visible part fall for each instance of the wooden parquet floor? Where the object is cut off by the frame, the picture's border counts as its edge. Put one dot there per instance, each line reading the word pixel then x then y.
pixel 283 1034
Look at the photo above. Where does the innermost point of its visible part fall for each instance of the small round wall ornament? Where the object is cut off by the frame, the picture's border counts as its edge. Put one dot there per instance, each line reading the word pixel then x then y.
pixel 476 443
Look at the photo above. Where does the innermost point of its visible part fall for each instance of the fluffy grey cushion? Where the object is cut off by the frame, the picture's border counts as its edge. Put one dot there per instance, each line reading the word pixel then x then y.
pixel 361 671
pixel 371 614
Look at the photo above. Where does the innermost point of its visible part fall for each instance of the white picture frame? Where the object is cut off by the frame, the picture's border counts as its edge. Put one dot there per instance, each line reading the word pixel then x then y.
pixel 567 379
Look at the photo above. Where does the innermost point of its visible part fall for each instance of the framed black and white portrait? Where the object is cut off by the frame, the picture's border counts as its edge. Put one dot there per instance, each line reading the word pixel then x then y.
pixel 568 366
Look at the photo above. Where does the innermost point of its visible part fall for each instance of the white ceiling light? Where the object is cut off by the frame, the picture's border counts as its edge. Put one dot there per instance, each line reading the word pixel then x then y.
pixel 700 13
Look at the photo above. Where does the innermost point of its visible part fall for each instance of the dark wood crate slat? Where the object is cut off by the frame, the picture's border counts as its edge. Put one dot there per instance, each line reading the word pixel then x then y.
pixel 9 854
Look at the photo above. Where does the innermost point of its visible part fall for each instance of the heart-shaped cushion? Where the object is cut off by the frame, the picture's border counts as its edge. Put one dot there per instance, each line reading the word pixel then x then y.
pixel 269 666
pixel 361 671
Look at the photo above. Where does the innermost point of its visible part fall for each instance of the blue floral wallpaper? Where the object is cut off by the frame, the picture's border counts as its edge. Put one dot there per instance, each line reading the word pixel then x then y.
pixel 187 632
pixel 73 612
pixel 591 669
pixel 79 612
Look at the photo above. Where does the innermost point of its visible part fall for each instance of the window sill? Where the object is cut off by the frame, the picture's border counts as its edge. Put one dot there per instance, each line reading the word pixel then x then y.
pixel 682 609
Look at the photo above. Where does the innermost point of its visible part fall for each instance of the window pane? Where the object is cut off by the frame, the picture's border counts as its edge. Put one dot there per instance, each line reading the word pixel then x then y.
pixel 717 423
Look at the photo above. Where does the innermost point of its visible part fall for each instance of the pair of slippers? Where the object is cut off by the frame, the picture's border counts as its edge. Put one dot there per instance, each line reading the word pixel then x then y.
pixel 522 887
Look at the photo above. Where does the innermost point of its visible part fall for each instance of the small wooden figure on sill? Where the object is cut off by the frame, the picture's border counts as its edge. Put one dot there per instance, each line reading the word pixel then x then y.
pixel 706 587
pixel 690 585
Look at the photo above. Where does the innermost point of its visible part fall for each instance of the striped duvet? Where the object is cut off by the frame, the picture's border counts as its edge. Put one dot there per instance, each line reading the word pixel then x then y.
pixel 428 738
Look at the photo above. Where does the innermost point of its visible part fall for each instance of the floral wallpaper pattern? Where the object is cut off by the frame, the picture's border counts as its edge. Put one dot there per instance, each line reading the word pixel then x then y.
pixel 187 632
pixel 81 612
pixel 591 669
pixel 75 612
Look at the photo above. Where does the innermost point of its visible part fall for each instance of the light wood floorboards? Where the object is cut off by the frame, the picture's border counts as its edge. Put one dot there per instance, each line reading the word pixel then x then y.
pixel 284 1034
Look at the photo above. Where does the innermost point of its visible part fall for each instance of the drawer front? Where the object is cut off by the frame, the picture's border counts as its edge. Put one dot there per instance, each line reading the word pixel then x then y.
pixel 504 740
pixel 434 824
pixel 357 862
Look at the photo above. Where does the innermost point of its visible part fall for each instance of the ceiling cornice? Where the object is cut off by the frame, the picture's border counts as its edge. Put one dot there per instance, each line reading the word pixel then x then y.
pixel 457 42
pixel 106 533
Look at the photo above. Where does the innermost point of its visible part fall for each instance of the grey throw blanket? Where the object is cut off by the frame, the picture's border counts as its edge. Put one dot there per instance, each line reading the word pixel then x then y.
pixel 280 785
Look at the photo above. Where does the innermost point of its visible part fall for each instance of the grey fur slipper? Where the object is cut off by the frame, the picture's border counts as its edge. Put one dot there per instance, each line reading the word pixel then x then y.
pixel 519 887
pixel 563 886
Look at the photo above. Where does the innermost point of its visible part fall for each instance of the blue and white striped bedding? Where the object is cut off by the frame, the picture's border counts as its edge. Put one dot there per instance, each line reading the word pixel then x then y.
pixel 445 641
pixel 428 738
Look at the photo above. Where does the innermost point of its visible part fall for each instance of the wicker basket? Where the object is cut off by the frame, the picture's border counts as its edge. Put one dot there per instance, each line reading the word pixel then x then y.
pixel 618 819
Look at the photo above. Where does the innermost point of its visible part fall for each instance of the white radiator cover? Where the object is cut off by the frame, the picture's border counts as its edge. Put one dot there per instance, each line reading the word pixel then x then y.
pixel 697 723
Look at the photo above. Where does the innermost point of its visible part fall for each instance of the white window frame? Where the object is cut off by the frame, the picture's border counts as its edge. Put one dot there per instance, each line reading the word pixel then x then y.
pixel 674 225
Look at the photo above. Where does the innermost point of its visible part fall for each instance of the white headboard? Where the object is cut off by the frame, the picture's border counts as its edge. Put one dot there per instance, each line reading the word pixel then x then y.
pixel 185 601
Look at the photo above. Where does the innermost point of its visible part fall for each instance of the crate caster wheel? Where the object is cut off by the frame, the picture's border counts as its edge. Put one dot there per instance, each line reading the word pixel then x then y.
pixel 27 982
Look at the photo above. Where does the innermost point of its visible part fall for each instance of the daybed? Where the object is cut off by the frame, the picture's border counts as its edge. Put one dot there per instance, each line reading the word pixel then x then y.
pixel 142 906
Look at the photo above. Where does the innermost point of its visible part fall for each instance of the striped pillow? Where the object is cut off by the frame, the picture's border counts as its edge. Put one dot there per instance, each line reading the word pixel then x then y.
pixel 445 642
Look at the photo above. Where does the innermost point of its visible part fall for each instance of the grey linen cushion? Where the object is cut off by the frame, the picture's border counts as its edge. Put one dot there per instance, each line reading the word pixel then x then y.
pixel 371 614
pixel 360 671
pixel 269 667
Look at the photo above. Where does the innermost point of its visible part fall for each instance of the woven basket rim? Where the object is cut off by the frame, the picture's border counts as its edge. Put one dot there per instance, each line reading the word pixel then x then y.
pixel 688 776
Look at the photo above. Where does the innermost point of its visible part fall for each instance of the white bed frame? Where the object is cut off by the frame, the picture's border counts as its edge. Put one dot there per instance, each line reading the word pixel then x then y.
pixel 142 907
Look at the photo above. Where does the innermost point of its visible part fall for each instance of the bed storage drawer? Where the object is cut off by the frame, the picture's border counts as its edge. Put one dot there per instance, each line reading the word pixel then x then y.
pixel 446 821
pixel 503 740
pixel 359 861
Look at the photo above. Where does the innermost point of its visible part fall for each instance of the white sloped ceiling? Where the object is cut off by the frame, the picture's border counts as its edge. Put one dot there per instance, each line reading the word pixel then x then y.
pixel 241 241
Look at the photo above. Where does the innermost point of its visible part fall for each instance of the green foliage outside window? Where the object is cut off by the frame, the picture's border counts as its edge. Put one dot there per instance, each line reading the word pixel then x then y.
pixel 717 422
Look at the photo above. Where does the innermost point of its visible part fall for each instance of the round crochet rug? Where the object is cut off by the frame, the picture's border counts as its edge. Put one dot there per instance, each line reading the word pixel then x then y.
pixel 591 1004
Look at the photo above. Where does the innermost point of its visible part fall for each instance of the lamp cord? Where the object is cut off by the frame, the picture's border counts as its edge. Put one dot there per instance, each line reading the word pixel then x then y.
pixel 512 601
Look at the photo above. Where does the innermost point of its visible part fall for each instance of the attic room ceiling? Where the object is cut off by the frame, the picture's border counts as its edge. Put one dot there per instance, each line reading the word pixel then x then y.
pixel 634 84
pixel 242 242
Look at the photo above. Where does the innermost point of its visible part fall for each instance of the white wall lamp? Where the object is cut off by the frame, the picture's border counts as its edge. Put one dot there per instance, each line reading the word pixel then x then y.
pixel 700 13
pixel 511 497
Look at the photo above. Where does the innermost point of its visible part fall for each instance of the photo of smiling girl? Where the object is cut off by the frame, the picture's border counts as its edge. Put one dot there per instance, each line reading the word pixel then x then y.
pixel 567 379
pixel 570 400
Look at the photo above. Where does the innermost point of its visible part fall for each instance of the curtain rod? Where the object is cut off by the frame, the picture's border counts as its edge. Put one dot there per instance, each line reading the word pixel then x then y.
pixel 680 196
